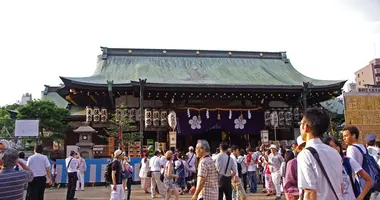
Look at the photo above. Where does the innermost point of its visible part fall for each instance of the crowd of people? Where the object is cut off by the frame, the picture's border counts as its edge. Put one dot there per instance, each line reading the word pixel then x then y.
pixel 18 174
pixel 315 167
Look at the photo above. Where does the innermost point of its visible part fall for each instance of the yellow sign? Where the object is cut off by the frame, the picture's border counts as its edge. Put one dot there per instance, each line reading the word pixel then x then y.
pixel 363 112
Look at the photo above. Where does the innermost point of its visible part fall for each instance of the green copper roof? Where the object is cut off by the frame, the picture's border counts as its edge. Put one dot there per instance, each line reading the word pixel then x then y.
pixel 54 97
pixel 236 68
pixel 334 106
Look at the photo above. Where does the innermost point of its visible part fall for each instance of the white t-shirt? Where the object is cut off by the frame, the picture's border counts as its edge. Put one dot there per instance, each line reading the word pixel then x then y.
pixel 233 158
pixel 348 191
pixel 310 175
pixel 73 165
pixel 243 162
pixel 155 164
pixel 191 160
pixel 355 154
pixel 374 152
pixel 38 163
pixel 252 164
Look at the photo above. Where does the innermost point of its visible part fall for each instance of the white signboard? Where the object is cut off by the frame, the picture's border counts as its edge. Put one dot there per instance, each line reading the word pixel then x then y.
pixel 26 128
pixel 264 136
pixel 173 139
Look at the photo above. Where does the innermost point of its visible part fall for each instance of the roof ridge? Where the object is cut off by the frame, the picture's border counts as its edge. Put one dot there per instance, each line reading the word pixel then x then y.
pixel 191 53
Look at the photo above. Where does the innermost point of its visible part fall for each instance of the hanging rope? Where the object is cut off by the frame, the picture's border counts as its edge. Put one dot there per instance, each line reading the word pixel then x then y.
pixel 221 109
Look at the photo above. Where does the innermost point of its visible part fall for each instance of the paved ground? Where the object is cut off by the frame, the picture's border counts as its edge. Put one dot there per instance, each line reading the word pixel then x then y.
pixel 102 193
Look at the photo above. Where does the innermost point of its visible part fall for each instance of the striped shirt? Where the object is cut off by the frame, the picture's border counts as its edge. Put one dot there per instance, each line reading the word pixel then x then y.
pixel 12 183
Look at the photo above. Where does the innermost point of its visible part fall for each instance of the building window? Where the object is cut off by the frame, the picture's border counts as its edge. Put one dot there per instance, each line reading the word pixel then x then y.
pixel 360 83
pixel 358 75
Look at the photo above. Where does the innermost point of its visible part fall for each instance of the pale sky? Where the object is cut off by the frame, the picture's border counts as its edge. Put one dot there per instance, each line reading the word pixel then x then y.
pixel 42 40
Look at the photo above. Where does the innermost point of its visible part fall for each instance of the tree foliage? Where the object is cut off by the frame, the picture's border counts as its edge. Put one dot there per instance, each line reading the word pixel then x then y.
pixel 51 118
pixel 6 122
pixel 127 136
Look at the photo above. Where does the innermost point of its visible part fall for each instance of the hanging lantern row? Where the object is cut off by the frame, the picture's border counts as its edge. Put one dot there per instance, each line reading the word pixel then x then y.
pixel 131 114
pixel 156 118
pixel 281 117
pixel 96 114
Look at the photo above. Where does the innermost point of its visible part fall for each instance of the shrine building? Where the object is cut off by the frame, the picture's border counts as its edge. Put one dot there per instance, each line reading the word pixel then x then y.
pixel 188 95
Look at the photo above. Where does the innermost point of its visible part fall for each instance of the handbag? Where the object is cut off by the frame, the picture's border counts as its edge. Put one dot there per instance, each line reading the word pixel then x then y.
pixel 223 178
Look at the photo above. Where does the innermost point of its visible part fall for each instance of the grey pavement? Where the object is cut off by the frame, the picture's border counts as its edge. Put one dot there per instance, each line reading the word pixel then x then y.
pixel 102 193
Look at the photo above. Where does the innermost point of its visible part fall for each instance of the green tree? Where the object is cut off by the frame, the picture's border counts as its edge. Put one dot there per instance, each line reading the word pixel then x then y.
pixel 52 119
pixel 128 137
pixel 7 124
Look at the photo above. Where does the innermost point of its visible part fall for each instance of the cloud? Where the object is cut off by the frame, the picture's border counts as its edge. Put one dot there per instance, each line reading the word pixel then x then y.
pixel 376 27
pixel 368 9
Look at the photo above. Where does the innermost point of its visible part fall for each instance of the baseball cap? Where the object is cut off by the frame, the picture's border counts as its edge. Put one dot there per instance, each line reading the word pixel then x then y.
pixel 370 137
pixel 273 146
pixel 5 144
pixel 118 152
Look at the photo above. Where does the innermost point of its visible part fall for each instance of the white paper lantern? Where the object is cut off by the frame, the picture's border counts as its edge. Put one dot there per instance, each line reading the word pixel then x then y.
pixel 156 118
pixel 96 114
pixel 164 118
pixel 274 119
pixel 118 114
pixel 172 118
pixel 132 114
pixel 104 116
pixel 89 114
pixel 267 118
pixel 281 118
pixel 148 118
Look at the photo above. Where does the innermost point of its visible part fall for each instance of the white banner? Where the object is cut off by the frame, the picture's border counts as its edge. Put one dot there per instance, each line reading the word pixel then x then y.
pixel 264 136
pixel 26 128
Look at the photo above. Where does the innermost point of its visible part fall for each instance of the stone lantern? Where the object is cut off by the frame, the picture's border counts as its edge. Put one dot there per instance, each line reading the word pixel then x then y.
pixel 85 145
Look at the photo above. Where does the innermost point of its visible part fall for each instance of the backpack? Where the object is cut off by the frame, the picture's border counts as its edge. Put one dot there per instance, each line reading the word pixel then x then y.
pixel 239 168
pixel 355 185
pixel 108 173
pixel 249 157
pixel 370 166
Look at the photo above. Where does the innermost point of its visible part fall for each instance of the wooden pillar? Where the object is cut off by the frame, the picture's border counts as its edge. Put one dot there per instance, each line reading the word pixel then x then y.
pixel 142 84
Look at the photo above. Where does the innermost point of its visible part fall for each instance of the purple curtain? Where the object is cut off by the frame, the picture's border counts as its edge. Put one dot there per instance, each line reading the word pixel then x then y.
pixel 242 125
pixel 193 125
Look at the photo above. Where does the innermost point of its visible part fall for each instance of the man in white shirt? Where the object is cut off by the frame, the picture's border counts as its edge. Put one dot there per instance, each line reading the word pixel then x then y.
pixel 275 161
pixel 351 137
pixel 311 179
pixel 155 168
pixel 40 166
pixel 72 168
pixel 237 179
pixel 372 149
pixel 191 161
pixel 82 167
pixel 252 176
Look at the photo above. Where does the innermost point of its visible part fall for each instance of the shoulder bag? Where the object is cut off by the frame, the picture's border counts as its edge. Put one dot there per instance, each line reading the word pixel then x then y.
pixel 224 178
